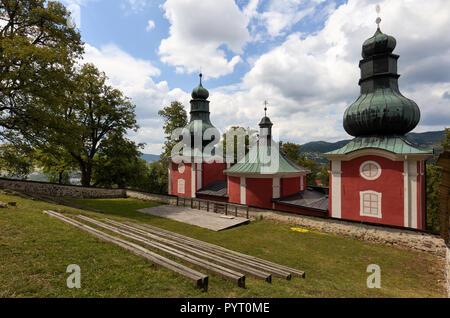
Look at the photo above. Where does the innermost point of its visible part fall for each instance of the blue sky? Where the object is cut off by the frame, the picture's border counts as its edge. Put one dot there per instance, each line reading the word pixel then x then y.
pixel 300 55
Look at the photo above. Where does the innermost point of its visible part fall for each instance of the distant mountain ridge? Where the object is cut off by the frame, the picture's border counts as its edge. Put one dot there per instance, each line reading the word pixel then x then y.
pixel 150 157
pixel 431 139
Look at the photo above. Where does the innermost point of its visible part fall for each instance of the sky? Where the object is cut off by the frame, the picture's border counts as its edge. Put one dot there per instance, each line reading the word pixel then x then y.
pixel 300 55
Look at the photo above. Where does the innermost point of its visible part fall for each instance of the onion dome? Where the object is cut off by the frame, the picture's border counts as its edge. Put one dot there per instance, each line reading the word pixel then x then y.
pixel 200 92
pixel 381 109
pixel 199 114
pixel 379 43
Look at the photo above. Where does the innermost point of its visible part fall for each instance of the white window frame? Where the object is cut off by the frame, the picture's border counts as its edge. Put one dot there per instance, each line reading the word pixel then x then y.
pixel 361 170
pixel 361 198
pixel 181 168
pixel 181 186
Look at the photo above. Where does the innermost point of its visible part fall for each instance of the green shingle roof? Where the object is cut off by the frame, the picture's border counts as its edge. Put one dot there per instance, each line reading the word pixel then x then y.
pixel 253 164
pixel 395 144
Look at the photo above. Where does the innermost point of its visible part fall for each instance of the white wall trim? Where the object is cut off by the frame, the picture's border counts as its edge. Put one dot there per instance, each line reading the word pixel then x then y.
pixel 199 176
pixel 276 188
pixel 169 185
pixel 406 194
pixel 193 175
pixel 302 186
pixel 243 191
pixel 413 184
pixel 336 189
pixel 181 186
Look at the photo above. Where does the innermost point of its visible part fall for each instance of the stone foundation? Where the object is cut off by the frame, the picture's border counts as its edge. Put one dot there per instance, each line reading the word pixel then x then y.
pixel 58 190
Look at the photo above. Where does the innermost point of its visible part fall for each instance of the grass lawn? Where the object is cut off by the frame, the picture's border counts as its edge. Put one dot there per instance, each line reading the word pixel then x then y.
pixel 35 251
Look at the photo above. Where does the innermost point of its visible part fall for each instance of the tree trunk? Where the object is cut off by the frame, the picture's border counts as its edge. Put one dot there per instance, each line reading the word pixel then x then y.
pixel 86 175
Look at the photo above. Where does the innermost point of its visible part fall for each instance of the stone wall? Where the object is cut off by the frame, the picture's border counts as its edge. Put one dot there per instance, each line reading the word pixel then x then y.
pixel 398 237
pixel 447 268
pixel 57 190
pixel 168 199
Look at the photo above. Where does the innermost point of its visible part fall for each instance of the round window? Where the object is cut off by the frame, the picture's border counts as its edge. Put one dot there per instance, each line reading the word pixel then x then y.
pixel 370 170
pixel 181 168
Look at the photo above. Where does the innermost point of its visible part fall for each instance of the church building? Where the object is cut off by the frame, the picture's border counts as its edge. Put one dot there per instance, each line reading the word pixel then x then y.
pixel 378 177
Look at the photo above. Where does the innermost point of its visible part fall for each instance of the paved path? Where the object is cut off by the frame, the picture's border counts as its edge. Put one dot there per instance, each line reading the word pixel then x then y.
pixel 207 220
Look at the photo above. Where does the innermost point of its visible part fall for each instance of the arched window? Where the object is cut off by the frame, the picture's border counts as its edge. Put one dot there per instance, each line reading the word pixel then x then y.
pixel 181 168
pixel 370 204
pixel 181 186
pixel 370 170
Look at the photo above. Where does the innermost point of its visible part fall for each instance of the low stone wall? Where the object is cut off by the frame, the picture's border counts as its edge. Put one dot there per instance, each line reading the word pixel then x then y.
pixel 57 190
pixel 168 199
pixel 447 267
pixel 403 238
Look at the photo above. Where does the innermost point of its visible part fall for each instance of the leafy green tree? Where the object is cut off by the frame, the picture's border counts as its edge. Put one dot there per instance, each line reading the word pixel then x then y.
pixel 292 150
pixel 175 116
pixel 15 162
pixel 90 114
pixel 446 142
pixel 158 177
pixel 324 176
pixel 433 182
pixel 119 164
pixel 37 52
pixel 57 164
pixel 248 133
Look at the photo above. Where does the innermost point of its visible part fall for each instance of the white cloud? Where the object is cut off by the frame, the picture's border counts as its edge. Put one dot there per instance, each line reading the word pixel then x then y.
pixel 134 77
pixel 135 5
pixel 310 80
pixel 150 25
pixel 199 32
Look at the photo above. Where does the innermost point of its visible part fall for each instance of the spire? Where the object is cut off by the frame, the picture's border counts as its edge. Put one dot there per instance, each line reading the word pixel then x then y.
pixel 381 109
pixel 265 124
pixel 200 110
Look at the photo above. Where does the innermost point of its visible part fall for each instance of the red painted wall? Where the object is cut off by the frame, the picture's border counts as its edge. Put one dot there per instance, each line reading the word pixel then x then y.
pixel 187 179
pixel 390 184
pixel 259 192
pixel 213 172
pixel 234 189
pixel 289 186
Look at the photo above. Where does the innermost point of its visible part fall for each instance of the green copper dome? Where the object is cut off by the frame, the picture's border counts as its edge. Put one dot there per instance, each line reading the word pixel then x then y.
pixel 378 43
pixel 199 114
pixel 200 92
pixel 381 109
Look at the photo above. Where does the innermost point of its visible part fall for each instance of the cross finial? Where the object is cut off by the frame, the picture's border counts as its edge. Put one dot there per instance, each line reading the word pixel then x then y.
pixel 265 107
pixel 378 20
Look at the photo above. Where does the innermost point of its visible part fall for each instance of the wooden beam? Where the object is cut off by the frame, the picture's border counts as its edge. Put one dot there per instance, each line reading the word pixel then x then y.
pixel 200 280
pixel 273 268
pixel 190 249
pixel 236 277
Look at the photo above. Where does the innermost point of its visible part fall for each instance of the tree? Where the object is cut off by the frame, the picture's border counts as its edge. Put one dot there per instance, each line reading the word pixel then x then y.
pixel 433 182
pixel 175 116
pixel 15 161
pixel 57 164
pixel 292 150
pixel 324 176
pixel 89 115
pixel 37 52
pixel 158 177
pixel 119 164
pixel 248 133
